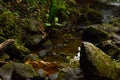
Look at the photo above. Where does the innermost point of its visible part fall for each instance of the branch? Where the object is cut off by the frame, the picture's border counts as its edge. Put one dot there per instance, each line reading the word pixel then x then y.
pixel 6 43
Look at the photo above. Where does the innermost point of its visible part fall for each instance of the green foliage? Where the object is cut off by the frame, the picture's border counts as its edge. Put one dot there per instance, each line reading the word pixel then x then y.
pixel 61 5
pixel 7 18
pixel 34 3
pixel 52 12
pixel 17 19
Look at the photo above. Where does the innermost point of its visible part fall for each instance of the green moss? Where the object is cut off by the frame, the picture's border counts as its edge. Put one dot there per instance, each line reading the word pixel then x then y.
pixel 21 48
pixel 7 18
pixel 23 70
pixel 2 39
pixel 17 50
pixel 97 62
pixel 31 57
pixel 17 71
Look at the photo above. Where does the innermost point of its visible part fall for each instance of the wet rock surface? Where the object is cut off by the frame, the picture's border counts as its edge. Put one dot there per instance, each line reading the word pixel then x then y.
pixel 94 35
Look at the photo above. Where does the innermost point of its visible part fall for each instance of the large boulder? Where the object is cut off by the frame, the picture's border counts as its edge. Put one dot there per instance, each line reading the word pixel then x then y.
pixel 17 71
pixel 94 35
pixel 96 65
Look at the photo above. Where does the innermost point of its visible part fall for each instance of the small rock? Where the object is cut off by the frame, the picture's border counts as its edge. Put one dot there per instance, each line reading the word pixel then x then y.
pixel 41 73
pixel 116 39
pixel 53 76
pixel 31 57
pixel 15 71
pixel 70 74
pixel 47 45
pixel 43 53
pixel 111 49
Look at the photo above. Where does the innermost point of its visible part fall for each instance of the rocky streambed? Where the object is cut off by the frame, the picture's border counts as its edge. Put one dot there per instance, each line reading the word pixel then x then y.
pixel 84 53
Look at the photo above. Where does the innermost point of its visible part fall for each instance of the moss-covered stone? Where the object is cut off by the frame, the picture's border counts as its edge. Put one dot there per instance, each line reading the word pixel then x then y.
pixel 15 71
pixel 33 40
pixel 7 18
pixel 96 64
pixel 6 71
pixel 70 74
pixel 23 71
pixel 21 48
pixel 94 35
pixel 89 16
pixel 111 49
pixel 17 50
pixel 31 57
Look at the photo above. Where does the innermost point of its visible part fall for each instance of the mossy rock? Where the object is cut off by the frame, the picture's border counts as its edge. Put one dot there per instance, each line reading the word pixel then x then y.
pixel 30 25
pixel 15 71
pixel 31 57
pixel 94 35
pixel 17 51
pixel 96 64
pixel 70 74
pixel 89 16
pixel 21 48
pixel 111 49
pixel 7 18
pixel 33 40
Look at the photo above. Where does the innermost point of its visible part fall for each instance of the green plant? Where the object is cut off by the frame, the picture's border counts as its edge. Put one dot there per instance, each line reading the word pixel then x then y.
pixel 52 12
pixel 7 18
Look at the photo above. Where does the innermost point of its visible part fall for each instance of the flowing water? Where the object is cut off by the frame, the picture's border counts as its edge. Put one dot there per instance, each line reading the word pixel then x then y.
pixel 114 3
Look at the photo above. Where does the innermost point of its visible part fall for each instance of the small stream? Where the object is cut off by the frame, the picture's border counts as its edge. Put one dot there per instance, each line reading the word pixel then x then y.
pixel 66 46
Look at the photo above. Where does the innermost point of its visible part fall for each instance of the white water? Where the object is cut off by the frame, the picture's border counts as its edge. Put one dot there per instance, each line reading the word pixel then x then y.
pixel 115 3
pixel 109 14
pixel 77 57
